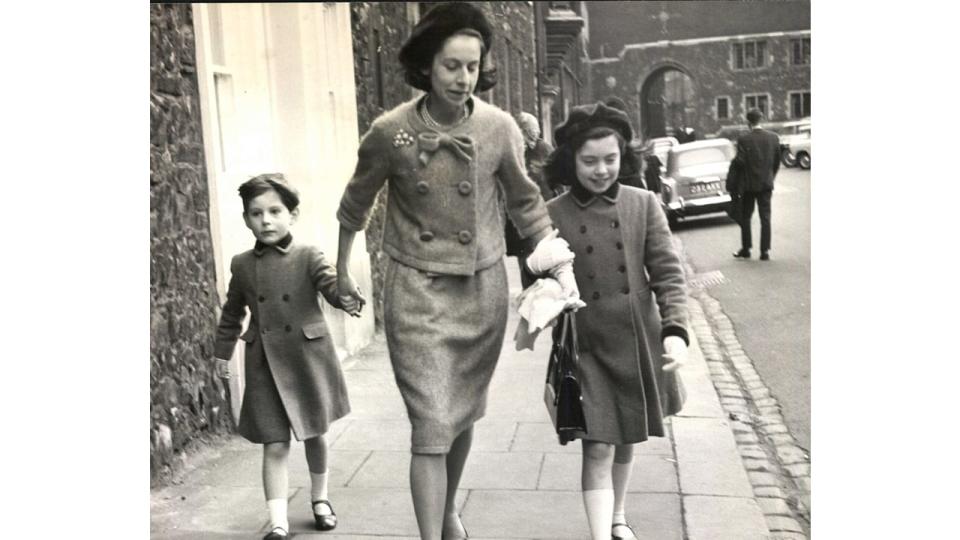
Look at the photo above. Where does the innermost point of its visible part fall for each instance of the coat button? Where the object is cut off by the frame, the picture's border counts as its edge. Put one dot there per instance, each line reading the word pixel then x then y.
pixel 591 275
pixel 625 290
pixel 261 299
pixel 614 224
pixel 465 237
pixel 583 228
pixel 426 236
pixel 287 328
pixel 619 245
pixel 465 187
pixel 263 330
pixel 622 269
pixel 286 297
pixel 596 295
pixel 422 187
pixel 589 249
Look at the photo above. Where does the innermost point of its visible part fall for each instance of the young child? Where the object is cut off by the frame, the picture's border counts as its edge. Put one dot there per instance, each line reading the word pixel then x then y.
pixel 293 377
pixel 625 268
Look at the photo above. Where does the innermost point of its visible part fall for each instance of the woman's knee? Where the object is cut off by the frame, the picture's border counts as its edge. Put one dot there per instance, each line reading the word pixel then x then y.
pixel 623 453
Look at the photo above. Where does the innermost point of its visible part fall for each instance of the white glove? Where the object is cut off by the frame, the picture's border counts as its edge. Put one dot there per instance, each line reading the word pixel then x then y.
pixel 674 353
pixel 223 368
pixel 568 283
pixel 550 252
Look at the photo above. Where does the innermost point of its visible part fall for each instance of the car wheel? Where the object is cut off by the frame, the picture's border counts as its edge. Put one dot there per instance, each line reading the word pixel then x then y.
pixel 803 159
pixel 787 158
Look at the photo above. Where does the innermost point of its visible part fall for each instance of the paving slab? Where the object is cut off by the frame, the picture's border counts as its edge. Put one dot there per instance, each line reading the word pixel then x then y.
pixel 651 474
pixel 710 518
pixel 708 460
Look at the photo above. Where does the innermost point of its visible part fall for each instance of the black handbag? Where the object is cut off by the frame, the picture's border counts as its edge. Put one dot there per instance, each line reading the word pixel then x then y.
pixel 561 392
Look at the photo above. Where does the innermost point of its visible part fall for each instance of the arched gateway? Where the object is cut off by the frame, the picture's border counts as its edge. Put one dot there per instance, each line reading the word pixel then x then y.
pixel 668 100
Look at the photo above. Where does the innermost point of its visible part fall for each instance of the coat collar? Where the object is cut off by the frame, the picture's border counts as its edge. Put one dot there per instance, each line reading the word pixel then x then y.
pixel 283 246
pixel 585 198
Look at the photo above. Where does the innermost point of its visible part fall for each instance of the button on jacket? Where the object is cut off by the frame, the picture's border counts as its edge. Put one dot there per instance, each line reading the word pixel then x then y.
pixel 287 341
pixel 443 213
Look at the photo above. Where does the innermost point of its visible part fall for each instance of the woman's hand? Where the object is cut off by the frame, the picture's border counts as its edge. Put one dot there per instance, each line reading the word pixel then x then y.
pixel 550 253
pixel 223 368
pixel 675 353
pixel 350 296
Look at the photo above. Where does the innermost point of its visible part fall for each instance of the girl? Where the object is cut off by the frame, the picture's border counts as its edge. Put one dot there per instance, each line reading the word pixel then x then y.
pixel 443 156
pixel 293 377
pixel 626 268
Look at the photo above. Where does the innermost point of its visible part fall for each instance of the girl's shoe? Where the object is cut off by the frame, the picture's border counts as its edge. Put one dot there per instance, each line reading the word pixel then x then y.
pixel 278 533
pixel 325 522
pixel 632 536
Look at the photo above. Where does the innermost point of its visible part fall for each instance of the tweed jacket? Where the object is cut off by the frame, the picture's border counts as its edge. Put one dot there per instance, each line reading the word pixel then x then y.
pixel 279 285
pixel 443 213
pixel 758 155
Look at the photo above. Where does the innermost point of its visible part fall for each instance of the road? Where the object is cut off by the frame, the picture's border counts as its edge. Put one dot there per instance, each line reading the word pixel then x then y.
pixel 768 302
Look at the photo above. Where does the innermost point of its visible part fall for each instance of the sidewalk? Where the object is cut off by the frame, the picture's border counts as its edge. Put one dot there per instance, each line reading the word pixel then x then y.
pixel 519 483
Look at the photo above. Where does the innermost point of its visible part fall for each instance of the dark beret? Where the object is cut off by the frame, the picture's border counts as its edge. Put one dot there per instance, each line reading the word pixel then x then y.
pixel 441 22
pixel 585 117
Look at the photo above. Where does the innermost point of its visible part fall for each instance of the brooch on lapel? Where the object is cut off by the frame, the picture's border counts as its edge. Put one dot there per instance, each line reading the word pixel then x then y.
pixel 402 138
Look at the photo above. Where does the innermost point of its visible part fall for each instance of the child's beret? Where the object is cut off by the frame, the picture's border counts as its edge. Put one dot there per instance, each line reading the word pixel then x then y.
pixel 585 117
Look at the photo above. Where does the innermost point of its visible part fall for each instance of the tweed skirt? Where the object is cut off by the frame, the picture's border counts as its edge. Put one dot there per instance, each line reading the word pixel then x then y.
pixel 444 335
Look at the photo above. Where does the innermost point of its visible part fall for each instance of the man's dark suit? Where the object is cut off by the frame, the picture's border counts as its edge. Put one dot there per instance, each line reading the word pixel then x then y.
pixel 758 158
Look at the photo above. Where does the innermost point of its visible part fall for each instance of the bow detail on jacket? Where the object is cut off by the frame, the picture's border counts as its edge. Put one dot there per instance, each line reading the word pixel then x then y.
pixel 429 142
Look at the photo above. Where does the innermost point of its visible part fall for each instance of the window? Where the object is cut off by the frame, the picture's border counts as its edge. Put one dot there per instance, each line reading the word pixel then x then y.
pixel 723 108
pixel 800 52
pixel 799 104
pixel 749 54
pixel 757 101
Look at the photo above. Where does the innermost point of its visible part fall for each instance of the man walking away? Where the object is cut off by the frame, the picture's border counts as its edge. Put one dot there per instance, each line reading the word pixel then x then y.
pixel 758 157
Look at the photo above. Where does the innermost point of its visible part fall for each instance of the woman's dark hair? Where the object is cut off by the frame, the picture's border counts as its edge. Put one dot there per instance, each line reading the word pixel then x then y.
pixel 561 166
pixel 258 185
pixel 428 36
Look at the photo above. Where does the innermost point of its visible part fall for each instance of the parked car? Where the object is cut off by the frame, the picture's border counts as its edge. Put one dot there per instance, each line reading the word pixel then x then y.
pixel 798 133
pixel 659 146
pixel 801 149
pixel 695 179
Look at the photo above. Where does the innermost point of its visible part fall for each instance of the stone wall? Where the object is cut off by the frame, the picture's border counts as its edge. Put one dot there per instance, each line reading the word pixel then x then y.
pixel 709 65
pixel 186 398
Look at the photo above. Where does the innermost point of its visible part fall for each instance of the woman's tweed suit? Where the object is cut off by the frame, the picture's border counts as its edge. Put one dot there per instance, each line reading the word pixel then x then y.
pixel 292 374
pixel 631 278
pixel 445 288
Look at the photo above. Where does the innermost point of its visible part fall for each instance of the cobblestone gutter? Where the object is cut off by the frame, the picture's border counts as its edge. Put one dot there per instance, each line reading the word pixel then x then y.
pixel 778 467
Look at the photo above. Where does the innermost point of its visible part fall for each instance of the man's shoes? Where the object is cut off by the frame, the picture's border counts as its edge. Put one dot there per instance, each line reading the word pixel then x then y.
pixel 764 255
pixel 742 254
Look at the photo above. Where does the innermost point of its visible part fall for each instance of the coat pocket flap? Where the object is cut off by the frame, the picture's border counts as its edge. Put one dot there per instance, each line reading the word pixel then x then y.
pixel 250 335
pixel 315 330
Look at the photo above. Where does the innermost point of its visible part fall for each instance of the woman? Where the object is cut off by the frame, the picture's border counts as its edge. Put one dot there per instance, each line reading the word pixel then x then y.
pixel 632 333
pixel 443 157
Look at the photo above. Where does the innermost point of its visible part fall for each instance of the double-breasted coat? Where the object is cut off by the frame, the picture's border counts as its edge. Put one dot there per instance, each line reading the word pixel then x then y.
pixel 292 374
pixel 632 281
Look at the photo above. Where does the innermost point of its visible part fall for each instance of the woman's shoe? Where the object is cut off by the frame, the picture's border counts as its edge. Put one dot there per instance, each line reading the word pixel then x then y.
pixel 325 522
pixel 278 533
pixel 632 536
pixel 465 536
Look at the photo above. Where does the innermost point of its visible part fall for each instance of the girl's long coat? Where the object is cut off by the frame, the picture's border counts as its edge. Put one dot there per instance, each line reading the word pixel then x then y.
pixel 632 280
pixel 292 371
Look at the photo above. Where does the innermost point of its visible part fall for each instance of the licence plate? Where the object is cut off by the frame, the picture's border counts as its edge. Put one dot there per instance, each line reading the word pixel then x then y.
pixel 704 188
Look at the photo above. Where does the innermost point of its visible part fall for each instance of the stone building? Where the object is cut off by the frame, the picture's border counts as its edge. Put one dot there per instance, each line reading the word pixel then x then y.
pixel 701 64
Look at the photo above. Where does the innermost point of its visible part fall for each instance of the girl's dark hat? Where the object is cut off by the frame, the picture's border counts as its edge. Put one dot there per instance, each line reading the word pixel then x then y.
pixel 441 22
pixel 585 117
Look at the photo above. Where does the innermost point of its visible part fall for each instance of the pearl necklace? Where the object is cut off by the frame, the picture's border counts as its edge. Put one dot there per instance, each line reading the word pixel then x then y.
pixel 430 121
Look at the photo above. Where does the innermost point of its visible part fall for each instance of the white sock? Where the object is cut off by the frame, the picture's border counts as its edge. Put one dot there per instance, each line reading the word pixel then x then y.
pixel 278 513
pixel 621 481
pixel 318 491
pixel 599 506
